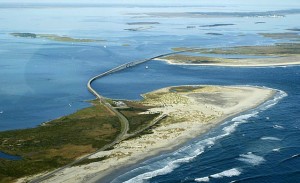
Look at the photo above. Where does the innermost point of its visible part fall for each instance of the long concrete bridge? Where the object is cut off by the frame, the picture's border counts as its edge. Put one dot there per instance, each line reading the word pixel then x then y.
pixel 124 122
pixel 122 67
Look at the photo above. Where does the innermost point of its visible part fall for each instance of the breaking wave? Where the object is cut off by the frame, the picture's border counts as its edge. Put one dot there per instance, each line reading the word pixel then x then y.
pixel 227 173
pixel 251 159
pixel 169 162
pixel 271 138
pixel 162 171
pixel 278 127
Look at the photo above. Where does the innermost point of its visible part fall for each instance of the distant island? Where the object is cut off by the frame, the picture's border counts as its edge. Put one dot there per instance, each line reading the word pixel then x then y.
pixel 142 23
pixel 294 29
pixel 53 37
pixel 280 54
pixel 113 132
pixel 139 28
pixel 216 25
pixel 214 34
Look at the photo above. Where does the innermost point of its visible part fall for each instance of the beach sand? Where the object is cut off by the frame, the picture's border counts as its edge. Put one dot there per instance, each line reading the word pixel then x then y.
pixel 249 62
pixel 191 111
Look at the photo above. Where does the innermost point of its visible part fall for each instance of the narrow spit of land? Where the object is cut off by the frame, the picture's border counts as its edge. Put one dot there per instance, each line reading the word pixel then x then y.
pixel 46 152
pixel 189 110
pixel 281 54
pixel 71 139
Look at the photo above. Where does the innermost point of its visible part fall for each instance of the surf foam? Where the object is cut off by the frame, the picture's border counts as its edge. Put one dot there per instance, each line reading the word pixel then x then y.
pixel 227 173
pixel 251 159
pixel 162 168
pixel 202 179
pixel 165 170
pixel 278 127
pixel 278 96
pixel 271 138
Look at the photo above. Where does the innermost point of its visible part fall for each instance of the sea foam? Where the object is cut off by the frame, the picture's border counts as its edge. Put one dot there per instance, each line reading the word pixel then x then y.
pixel 237 121
pixel 276 150
pixel 271 138
pixel 189 152
pixel 162 171
pixel 278 127
pixel 251 159
pixel 278 96
pixel 227 173
pixel 202 179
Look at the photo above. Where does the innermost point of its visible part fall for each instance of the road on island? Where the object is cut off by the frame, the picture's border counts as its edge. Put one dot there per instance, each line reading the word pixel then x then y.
pixel 123 120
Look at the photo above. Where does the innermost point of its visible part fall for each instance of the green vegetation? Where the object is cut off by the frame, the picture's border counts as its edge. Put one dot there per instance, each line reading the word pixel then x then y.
pixel 277 49
pixel 285 35
pixel 277 54
pixel 136 120
pixel 149 130
pixel 53 37
pixel 193 59
pixel 58 142
pixel 184 88
pixel 29 35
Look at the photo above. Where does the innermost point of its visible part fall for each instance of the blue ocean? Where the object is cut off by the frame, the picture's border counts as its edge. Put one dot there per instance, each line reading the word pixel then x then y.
pixel 260 145
pixel 41 80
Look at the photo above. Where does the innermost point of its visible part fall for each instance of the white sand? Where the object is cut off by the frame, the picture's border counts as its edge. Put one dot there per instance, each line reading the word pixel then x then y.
pixel 251 62
pixel 190 114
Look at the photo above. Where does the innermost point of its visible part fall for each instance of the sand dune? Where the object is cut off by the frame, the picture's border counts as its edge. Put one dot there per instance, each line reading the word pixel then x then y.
pixel 191 110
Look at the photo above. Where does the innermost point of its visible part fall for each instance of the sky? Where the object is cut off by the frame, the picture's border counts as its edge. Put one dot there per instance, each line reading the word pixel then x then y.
pixel 174 2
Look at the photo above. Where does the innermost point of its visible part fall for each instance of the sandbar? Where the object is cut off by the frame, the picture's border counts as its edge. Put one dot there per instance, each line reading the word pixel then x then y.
pixel 282 54
pixel 225 62
pixel 191 111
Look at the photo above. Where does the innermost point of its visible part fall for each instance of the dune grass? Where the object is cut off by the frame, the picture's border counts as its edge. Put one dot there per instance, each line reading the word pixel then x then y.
pixel 137 121
pixel 276 49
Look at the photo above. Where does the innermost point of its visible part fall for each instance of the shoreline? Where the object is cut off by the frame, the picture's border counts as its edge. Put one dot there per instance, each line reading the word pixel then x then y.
pixel 171 62
pixel 107 169
pixel 110 175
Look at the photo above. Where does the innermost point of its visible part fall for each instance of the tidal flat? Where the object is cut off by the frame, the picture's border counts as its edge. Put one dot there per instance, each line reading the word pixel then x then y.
pixel 274 55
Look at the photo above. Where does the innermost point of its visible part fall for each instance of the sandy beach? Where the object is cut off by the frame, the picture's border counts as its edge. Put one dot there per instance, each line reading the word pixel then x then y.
pixel 257 62
pixel 191 111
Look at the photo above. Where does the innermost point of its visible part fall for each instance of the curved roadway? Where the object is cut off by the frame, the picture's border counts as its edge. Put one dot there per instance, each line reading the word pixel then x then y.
pixel 124 122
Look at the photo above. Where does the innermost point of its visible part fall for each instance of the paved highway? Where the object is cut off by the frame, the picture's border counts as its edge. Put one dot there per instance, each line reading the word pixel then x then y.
pixel 124 122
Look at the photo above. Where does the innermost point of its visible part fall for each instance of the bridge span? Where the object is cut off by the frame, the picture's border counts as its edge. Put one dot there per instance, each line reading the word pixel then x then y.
pixel 122 67
pixel 123 120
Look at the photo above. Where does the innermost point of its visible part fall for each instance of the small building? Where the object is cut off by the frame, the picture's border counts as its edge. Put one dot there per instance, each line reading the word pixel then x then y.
pixel 120 104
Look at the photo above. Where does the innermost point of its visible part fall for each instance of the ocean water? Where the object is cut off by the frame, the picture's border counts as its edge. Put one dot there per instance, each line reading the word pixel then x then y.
pixel 41 80
pixel 260 145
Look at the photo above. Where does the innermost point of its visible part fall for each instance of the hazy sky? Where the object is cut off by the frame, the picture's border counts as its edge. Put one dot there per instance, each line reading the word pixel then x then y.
pixel 174 2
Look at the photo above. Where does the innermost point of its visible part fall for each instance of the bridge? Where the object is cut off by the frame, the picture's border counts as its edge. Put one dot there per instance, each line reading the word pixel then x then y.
pixel 124 122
